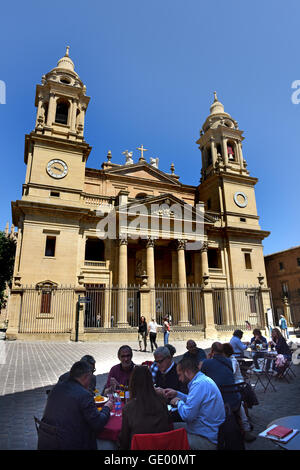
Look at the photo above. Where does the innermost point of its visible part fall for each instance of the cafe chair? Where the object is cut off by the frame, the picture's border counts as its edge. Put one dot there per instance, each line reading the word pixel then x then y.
pixel 171 440
pixel 147 363
pixel 286 373
pixel 230 436
pixel 47 435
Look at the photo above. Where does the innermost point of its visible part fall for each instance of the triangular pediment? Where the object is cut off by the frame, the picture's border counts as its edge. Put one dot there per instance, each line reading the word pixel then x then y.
pixel 143 171
pixel 163 204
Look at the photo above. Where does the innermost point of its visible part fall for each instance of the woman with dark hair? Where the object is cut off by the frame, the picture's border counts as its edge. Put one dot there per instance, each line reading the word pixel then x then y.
pixel 281 347
pixel 142 333
pixel 257 343
pixel 146 412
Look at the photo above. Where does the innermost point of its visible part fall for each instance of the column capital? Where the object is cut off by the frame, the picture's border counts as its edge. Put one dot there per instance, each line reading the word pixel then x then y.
pixel 122 241
pixel 181 244
pixel 150 242
pixel 204 247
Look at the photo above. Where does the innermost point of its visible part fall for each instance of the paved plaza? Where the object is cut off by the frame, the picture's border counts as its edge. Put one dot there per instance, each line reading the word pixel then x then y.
pixel 30 368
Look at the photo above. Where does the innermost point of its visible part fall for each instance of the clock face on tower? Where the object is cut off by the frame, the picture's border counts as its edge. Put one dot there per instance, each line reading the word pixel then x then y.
pixel 57 169
pixel 240 199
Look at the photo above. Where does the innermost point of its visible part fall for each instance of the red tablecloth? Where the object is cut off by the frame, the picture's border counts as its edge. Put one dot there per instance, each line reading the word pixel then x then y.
pixel 112 429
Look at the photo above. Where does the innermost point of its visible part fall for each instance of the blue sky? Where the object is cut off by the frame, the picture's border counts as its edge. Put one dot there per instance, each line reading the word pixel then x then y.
pixel 150 69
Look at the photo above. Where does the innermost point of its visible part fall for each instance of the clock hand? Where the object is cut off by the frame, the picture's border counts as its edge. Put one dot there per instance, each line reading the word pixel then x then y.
pixel 55 168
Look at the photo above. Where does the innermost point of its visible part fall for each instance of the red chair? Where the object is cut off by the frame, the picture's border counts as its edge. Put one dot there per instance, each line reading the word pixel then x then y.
pixel 171 440
pixel 147 363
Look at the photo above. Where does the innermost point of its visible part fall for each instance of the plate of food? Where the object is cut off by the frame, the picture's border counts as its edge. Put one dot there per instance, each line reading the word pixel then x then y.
pixel 100 400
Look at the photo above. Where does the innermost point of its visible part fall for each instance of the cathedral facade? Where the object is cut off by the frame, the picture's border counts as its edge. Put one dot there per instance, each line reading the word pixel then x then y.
pixel 97 248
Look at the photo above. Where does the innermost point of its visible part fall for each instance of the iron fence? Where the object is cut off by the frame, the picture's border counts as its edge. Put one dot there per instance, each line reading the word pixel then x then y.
pixel 235 306
pixel 53 309
pixel 168 303
pixel 105 303
pixel 47 310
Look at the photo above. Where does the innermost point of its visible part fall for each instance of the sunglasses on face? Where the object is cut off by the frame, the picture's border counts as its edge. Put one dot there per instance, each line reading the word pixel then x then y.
pixel 160 360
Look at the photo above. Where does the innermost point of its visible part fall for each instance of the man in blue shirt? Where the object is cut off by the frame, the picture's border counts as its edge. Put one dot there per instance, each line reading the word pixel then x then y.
pixel 236 343
pixel 202 409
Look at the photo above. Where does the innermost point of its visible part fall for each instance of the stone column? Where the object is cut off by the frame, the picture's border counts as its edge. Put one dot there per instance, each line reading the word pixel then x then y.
pixel 225 153
pixel 150 262
pixel 122 284
pixel 51 109
pixel 183 303
pixel 151 275
pixel 73 114
pixel 213 151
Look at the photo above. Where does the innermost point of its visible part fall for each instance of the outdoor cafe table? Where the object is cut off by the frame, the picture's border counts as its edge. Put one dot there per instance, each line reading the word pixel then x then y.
pixel 264 372
pixel 107 439
pixel 112 429
pixel 292 422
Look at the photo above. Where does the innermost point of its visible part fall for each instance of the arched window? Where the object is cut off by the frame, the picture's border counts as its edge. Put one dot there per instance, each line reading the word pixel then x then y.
pixel 62 111
pixel 141 196
pixel 209 156
pixel 230 151
pixel 45 108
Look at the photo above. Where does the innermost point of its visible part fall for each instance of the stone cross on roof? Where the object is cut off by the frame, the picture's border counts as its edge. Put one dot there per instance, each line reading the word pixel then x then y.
pixel 142 149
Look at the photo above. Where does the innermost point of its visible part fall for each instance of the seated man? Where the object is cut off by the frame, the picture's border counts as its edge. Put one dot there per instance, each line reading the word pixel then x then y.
pixel 236 343
pixel 166 376
pixel 154 366
pixel 219 369
pixel 120 374
pixel 91 361
pixel 202 409
pixel 72 411
pixel 197 354
pixel 260 340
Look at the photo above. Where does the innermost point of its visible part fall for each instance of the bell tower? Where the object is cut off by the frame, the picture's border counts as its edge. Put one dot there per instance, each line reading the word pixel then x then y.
pixel 221 144
pixel 227 190
pixel 226 185
pixel 56 152
pixel 61 102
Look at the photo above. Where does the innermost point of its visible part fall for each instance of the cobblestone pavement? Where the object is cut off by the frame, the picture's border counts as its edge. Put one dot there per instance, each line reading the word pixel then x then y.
pixel 31 368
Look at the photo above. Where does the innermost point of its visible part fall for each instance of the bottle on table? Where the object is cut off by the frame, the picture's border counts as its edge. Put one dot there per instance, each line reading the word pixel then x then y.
pixel 127 394
pixel 118 405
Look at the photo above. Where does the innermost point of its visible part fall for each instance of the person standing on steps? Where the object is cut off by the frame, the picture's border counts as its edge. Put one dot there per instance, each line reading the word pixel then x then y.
pixel 152 328
pixel 166 326
pixel 142 333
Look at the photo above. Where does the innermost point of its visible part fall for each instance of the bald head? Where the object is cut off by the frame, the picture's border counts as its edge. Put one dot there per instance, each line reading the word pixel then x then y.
pixel 217 348
pixel 191 346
